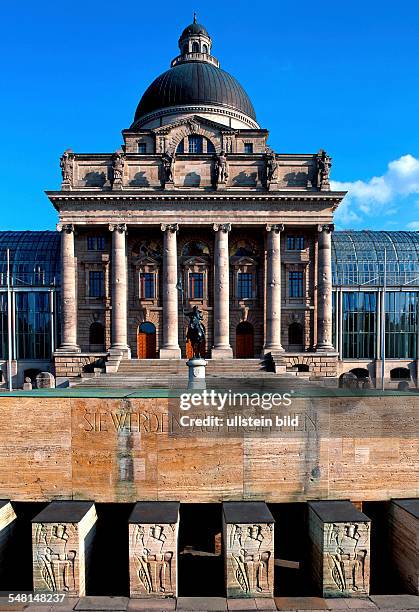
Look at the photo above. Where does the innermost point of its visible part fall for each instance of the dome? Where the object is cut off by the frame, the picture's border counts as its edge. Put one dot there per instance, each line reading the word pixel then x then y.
pixel 195 29
pixel 192 83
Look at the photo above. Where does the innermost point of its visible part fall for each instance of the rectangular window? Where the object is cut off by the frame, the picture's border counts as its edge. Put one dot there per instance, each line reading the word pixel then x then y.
pixel 96 284
pixel 147 286
pixel 95 243
pixel 296 289
pixel 196 285
pixel 248 147
pixel 244 285
pixel 33 325
pixel 3 326
pixel 295 243
pixel 195 144
pixel 142 148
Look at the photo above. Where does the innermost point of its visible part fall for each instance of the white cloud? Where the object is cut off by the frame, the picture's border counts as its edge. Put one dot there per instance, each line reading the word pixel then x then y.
pixel 371 198
pixel 413 225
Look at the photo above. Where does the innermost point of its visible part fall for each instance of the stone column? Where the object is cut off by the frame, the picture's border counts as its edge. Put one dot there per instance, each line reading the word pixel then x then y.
pixel 119 289
pixel 68 290
pixel 221 348
pixel 324 289
pixel 62 538
pixel 153 550
pixel 273 289
pixel 248 527
pixel 170 348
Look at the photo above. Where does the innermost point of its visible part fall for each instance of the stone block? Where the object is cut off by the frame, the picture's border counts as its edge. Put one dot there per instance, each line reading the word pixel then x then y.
pixel 248 534
pixel 340 548
pixel 7 525
pixel 153 549
pixel 62 536
pixel 404 534
pixel 45 380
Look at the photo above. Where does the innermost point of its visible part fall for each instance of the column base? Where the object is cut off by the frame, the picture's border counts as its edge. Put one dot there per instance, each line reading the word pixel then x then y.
pixel 122 349
pixel 222 352
pixel 273 348
pixel 170 353
pixel 325 348
pixel 68 348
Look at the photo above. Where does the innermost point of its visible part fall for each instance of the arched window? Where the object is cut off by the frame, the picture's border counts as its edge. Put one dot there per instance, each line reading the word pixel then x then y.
pixel 97 334
pixel 210 147
pixel 204 48
pixel 195 248
pixel 295 333
pixel 360 373
pixel 195 47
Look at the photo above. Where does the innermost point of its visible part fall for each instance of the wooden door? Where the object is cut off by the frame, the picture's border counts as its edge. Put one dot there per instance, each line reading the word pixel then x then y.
pixel 244 341
pixel 146 343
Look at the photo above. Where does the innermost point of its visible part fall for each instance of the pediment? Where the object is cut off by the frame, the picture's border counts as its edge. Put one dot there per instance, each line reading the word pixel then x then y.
pixel 146 260
pixel 195 260
pixel 193 124
pixel 244 261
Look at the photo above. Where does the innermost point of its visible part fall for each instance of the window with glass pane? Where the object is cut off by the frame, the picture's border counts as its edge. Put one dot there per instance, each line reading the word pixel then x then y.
pixel 248 147
pixel 96 284
pixel 33 325
pixel 142 148
pixel 244 285
pixel 210 147
pixel 196 285
pixel 295 243
pixel 401 324
pixel 3 326
pixel 95 243
pixel 296 289
pixel 195 144
pixel 147 285
pixel 359 312
pixel 181 147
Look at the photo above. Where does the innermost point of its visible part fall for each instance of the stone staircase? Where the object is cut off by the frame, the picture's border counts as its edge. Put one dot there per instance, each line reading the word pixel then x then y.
pixel 167 372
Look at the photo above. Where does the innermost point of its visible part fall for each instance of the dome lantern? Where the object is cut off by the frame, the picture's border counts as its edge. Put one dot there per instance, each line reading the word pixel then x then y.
pixel 195 45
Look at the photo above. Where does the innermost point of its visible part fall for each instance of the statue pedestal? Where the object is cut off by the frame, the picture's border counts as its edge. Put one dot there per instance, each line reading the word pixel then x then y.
pixel 196 379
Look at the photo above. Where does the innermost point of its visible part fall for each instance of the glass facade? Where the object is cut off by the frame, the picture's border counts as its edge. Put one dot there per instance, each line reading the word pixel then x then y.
pixel 33 325
pixel 3 326
pixel 359 324
pixel 402 324
pixel 34 259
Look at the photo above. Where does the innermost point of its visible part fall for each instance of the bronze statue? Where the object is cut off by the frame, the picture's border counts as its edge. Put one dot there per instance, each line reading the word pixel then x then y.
pixel 221 168
pixel 196 332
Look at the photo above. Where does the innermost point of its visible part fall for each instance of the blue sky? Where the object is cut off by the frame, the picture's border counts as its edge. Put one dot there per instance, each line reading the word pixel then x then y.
pixel 337 75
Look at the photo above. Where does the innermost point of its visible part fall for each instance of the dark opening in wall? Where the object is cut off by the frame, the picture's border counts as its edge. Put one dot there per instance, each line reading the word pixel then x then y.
pixel 201 568
pixel 292 575
pixel 382 577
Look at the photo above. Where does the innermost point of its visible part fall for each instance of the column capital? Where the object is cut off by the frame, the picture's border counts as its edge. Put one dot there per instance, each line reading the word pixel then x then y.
pixel 327 227
pixel 279 227
pixel 222 227
pixel 118 227
pixel 171 227
pixel 67 228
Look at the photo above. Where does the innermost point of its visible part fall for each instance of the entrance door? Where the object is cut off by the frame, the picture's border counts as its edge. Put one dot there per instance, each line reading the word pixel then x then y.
pixel 146 341
pixel 244 341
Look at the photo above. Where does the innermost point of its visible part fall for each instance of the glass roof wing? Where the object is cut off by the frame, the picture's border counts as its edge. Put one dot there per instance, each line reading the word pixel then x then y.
pixel 35 258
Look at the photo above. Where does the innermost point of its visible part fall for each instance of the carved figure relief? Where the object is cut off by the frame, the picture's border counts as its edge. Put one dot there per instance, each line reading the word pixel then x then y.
pixel 169 161
pixel 221 169
pixel 251 550
pixel 55 551
pixel 324 164
pixel 153 548
pixel 66 165
pixel 271 170
pixel 347 551
pixel 118 162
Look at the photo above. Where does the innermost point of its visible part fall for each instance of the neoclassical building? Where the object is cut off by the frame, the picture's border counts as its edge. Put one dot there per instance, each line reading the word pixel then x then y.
pixel 196 209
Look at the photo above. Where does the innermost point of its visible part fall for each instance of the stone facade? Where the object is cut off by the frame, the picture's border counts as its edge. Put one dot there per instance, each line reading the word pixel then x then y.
pixel 404 542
